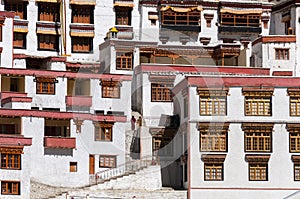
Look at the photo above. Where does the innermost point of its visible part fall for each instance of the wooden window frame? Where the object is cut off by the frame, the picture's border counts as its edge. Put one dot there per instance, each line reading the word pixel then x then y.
pixel 112 161
pixel 296 167
pixel 294 137
pixel 48 42
pixel 73 167
pixel 83 14
pixel 123 15
pixel 170 17
pixel 213 167
pixel 261 168
pixel 19 7
pixel 48 12
pixel 282 53
pixel 213 137
pixel 294 106
pixel 245 20
pixel 258 137
pixel 11 161
pixel 124 61
pixel 103 131
pixel 163 146
pixel 7 187
pixel 82 44
pixel 258 101
pixel 45 86
pixel 19 40
pixel 110 89
pixel 161 92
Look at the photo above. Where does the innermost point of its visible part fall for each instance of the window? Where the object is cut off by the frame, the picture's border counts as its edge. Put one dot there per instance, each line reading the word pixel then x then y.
pixel 258 102
pixel 48 12
pixel 282 54
pixel 123 15
pixel 73 166
pixel 19 40
pixel 57 128
pixel 213 136
pixel 294 137
pixel 1 32
pixel 258 167
pixel 162 146
pixel 212 102
pixel 124 61
pixel 110 89
pixel 82 44
pixel 161 92
pixel 107 161
pixel 10 161
pixel 103 131
pixel 213 167
pixel 19 7
pixel 45 85
pixel 47 42
pixel 82 14
pixel 258 137
pixel 10 188
pixel 248 20
pixel 296 161
pixel 294 94
pixel 171 17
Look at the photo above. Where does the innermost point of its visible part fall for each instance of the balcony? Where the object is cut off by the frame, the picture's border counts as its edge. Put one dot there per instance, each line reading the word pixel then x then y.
pixel 7 97
pixel 14 140
pixel 79 101
pixel 239 29
pixel 120 32
pixel 59 142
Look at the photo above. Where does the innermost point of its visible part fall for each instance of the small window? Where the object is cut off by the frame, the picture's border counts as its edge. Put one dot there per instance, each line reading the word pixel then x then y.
pixel 282 54
pixel 296 161
pixel 161 92
pixel 82 14
pixel 45 86
pixel 82 44
pixel 103 131
pixel 110 89
pixel 213 167
pixel 258 102
pixel 123 15
pixel 10 161
pixel 258 172
pixel 10 188
pixel 294 137
pixel 48 12
pixel 162 146
pixel 124 61
pixel 20 40
pixel 107 161
pixel 48 42
pixel 73 166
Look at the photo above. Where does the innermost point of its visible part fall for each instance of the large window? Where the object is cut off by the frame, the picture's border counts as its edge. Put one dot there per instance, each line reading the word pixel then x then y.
pixel 213 167
pixel 124 61
pixel 82 14
pixel 123 15
pixel 45 85
pixel 212 101
pixel 248 20
pixel 213 136
pixel 161 92
pixel 258 167
pixel 103 131
pixel 10 161
pixel 294 137
pixel 175 16
pixel 48 12
pixel 258 137
pixel 19 40
pixel 282 54
pixel 48 42
pixel 19 7
pixel 82 44
pixel 110 89
pixel 10 188
pixel 258 102
pixel 107 161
